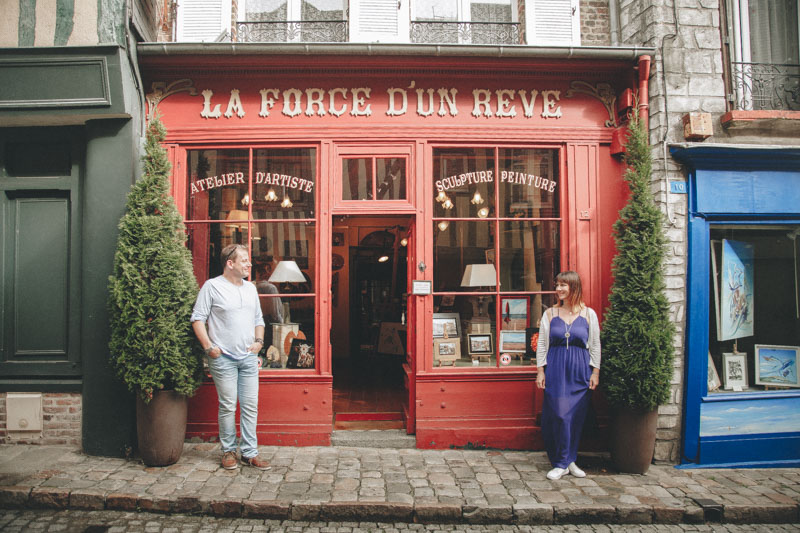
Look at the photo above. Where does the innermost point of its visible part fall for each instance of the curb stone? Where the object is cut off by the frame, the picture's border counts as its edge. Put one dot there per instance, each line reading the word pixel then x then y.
pixel 533 513
pixel 760 514
pixel 309 510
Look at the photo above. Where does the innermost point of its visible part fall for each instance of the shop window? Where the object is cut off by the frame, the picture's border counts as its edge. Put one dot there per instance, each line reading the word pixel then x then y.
pixel 754 318
pixel 271 211
pixel 493 272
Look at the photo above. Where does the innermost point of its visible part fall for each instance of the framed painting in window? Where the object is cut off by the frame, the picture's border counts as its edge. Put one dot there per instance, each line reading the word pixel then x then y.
pixel 734 371
pixel 479 343
pixel 514 312
pixel 512 341
pixel 446 324
pixel 776 366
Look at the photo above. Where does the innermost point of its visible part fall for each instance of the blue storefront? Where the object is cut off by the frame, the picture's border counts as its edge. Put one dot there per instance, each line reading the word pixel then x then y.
pixel 742 394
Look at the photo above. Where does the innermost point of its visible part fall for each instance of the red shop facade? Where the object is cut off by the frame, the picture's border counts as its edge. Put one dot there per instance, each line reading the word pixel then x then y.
pixel 406 214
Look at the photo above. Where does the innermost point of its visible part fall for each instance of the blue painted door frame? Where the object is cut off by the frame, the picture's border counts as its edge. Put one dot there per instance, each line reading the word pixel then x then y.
pixel 731 185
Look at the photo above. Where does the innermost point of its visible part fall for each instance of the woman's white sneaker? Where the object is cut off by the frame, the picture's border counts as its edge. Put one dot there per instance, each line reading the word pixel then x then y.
pixel 556 473
pixel 575 471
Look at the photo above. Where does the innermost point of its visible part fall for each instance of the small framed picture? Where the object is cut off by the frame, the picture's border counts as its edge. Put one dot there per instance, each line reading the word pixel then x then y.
pixel 479 343
pixel 514 312
pixel 734 371
pixel 301 354
pixel 776 366
pixel 446 350
pixel 512 341
pixel 337 239
pixel 713 377
pixel 446 324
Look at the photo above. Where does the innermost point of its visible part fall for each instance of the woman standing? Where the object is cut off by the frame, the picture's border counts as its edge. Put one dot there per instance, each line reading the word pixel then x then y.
pixel 568 357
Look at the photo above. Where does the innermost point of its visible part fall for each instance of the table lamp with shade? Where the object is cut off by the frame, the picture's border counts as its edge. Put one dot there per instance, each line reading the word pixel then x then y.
pixel 479 275
pixel 237 221
pixel 287 272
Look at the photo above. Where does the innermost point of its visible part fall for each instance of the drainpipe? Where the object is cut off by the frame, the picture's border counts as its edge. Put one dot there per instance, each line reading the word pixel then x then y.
pixel 613 21
pixel 644 98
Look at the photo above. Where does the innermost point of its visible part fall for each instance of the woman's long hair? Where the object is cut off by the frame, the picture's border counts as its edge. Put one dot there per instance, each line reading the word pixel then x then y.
pixel 573 280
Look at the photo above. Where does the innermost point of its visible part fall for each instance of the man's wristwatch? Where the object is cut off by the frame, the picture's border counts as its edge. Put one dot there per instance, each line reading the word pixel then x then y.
pixel 260 341
pixel 210 349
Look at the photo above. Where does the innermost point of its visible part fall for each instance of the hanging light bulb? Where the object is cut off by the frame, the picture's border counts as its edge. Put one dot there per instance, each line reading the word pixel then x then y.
pixel 443 225
pixel 477 199
pixel 383 259
pixel 441 197
pixel 287 202
pixel 246 199
pixel 271 196
pixel 483 212
pixel 447 204
pixel 403 242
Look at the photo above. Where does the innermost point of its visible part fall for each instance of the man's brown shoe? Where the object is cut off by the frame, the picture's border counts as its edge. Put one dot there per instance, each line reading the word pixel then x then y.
pixel 256 462
pixel 229 461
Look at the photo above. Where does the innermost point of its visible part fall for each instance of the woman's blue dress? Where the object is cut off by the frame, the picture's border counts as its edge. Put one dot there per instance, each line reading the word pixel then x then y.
pixel 566 390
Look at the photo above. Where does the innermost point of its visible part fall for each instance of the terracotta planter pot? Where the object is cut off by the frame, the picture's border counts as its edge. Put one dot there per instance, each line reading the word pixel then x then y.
pixel 161 427
pixel 633 440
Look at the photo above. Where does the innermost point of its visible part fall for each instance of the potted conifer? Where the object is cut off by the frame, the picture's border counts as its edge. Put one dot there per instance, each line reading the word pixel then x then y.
pixel 637 335
pixel 151 294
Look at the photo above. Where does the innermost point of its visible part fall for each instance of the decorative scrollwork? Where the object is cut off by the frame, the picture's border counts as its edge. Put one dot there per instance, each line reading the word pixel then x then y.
pixel 160 90
pixel 310 31
pixel 603 92
pixel 766 86
pixel 438 32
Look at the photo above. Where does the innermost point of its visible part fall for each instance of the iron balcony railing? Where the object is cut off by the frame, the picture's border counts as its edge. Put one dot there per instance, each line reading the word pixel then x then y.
pixel 765 86
pixel 446 32
pixel 306 31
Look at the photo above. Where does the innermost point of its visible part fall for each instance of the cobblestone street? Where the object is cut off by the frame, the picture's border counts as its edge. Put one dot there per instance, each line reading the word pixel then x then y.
pixel 19 521
pixel 341 485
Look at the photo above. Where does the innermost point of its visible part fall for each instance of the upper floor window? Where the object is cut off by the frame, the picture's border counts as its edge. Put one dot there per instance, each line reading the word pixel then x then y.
pixel 292 21
pixel 465 21
pixel 765 53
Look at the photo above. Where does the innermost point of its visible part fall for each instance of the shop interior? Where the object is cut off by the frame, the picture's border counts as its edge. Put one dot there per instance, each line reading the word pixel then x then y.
pixel 369 321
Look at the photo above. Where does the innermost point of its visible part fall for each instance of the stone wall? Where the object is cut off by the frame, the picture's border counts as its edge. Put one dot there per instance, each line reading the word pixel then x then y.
pixel 61 421
pixel 686 76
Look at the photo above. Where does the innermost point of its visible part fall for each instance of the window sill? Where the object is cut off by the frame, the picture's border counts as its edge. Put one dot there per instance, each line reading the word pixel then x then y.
pixel 777 121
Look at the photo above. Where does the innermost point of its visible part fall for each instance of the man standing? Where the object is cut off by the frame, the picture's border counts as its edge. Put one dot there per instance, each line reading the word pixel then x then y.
pixel 229 305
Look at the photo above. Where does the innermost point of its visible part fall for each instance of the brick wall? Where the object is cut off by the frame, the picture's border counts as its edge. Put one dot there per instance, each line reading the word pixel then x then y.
pixel 61 421
pixel 595 28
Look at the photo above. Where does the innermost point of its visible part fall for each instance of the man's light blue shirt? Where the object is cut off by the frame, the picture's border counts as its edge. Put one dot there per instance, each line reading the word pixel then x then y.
pixel 231 312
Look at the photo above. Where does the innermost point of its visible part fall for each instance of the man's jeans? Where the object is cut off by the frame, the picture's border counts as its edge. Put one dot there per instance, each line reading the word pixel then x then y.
pixel 237 378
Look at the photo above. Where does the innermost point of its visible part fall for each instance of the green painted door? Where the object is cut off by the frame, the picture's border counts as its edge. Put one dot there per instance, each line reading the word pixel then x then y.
pixel 39 206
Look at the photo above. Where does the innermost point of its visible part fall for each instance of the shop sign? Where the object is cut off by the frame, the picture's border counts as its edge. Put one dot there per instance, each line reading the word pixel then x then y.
pixel 266 178
pixel 358 102
pixel 487 176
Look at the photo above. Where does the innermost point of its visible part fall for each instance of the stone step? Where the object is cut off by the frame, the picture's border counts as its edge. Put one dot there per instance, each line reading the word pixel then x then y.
pixel 373 438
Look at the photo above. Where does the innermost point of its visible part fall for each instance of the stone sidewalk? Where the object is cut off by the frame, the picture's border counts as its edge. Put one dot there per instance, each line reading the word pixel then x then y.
pixel 396 485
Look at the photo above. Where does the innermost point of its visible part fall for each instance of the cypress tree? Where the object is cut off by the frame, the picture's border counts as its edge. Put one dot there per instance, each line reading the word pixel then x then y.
pixel 152 289
pixel 637 331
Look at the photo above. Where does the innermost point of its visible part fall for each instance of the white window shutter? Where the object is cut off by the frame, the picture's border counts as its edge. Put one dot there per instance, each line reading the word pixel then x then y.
pixel 379 21
pixel 553 22
pixel 203 20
